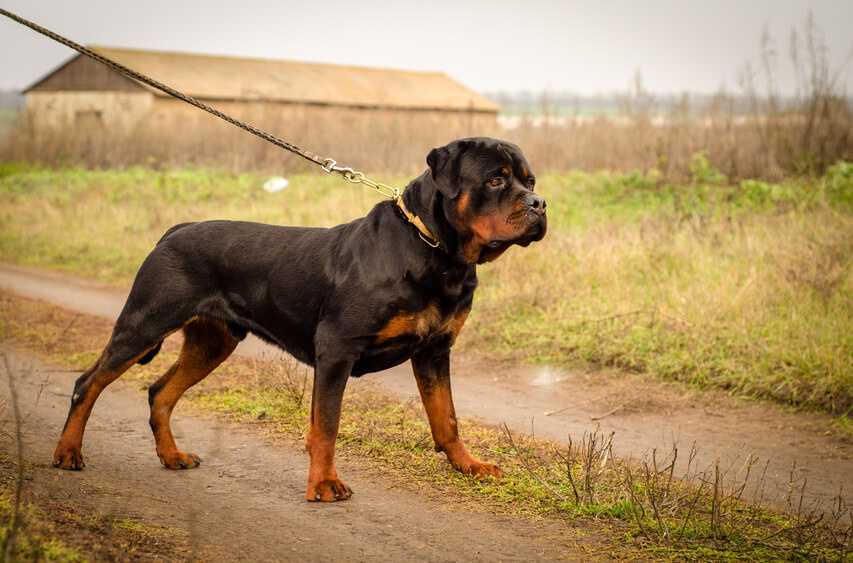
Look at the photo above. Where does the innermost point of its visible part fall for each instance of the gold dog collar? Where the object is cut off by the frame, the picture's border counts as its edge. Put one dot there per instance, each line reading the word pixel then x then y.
pixel 423 232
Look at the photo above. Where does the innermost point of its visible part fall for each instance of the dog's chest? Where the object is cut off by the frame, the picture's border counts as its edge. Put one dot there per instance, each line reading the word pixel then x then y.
pixel 428 324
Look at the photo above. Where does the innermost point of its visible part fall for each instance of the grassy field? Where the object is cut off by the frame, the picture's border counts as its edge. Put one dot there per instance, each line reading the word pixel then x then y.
pixel 745 286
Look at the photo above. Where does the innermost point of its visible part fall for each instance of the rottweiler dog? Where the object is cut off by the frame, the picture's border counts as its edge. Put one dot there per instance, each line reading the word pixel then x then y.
pixel 360 297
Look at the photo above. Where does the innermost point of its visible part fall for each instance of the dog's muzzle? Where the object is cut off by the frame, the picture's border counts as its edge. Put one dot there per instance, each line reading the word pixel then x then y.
pixel 536 203
pixel 538 219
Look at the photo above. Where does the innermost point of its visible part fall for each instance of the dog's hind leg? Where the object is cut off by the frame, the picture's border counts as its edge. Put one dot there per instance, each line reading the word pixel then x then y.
pixel 114 361
pixel 207 343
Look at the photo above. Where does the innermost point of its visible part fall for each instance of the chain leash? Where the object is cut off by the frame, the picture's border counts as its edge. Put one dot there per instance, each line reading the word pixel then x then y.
pixel 328 165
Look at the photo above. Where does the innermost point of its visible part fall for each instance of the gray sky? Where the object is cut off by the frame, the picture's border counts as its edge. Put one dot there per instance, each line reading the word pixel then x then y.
pixel 582 46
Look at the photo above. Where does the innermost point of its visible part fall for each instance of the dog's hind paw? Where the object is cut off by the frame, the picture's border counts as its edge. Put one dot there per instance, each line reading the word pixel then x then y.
pixel 179 460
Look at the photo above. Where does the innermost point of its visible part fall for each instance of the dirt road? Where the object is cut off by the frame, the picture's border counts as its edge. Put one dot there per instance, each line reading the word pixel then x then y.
pixel 246 501
pixel 644 413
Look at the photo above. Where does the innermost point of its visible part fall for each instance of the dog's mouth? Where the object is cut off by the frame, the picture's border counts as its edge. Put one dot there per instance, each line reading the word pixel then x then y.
pixel 535 232
pixel 538 229
pixel 521 228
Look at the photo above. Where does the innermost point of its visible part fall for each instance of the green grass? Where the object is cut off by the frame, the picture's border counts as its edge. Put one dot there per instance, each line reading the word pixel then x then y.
pixel 103 223
pixel 30 539
pixel 46 530
pixel 743 286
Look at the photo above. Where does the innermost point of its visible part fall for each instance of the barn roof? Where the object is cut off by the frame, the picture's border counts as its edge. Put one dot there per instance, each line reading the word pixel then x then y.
pixel 230 78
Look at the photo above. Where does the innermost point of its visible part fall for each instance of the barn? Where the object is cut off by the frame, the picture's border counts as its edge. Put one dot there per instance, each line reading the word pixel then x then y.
pixel 335 106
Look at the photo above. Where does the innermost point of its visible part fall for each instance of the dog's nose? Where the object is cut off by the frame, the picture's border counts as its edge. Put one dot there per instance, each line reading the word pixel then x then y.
pixel 535 202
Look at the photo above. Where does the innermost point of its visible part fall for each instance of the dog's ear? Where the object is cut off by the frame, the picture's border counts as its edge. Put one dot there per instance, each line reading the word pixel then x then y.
pixel 437 159
pixel 443 163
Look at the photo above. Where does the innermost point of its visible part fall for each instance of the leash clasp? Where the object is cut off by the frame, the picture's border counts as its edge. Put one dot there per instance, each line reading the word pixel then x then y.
pixel 331 165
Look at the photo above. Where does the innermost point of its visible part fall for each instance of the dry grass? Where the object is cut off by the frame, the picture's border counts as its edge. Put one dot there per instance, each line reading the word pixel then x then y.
pixel 735 144
pixel 386 141
pixel 770 143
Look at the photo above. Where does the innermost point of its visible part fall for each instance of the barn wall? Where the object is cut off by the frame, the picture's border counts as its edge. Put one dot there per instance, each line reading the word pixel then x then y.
pixel 294 120
pixel 89 110
pixel 383 139
pixel 124 128
pixel 87 113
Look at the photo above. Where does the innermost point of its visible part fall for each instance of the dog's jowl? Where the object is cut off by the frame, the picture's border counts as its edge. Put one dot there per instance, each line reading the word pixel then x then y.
pixel 361 297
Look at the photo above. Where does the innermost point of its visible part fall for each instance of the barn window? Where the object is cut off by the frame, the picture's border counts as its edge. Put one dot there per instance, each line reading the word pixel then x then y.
pixel 88 118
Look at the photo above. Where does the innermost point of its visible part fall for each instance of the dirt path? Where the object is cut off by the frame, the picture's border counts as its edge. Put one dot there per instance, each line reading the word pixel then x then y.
pixel 644 414
pixel 245 503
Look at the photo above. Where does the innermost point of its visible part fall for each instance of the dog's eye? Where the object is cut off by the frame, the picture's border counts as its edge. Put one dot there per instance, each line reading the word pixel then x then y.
pixel 496 182
pixel 530 183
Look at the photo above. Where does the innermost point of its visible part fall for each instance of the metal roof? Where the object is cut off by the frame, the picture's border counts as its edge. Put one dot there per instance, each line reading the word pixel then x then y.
pixel 230 78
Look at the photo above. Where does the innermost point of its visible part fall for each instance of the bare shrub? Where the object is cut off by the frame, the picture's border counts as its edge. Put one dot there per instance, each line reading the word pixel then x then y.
pixel 672 501
pixel 285 377
pixel 585 464
pixel 16 538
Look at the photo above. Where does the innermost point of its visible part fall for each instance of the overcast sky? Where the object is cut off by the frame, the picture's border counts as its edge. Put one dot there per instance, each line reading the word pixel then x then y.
pixel 581 46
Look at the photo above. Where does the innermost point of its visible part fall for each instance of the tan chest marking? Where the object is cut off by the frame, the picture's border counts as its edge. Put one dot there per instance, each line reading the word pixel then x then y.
pixel 422 324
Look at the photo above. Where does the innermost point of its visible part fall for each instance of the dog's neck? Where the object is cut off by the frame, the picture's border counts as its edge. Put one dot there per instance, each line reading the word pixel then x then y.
pixel 424 232
pixel 424 201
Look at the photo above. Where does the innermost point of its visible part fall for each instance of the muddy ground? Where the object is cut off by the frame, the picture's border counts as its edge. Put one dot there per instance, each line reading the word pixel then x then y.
pixel 643 413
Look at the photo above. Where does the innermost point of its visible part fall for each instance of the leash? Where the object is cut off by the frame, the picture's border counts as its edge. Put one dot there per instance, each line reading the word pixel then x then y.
pixel 328 165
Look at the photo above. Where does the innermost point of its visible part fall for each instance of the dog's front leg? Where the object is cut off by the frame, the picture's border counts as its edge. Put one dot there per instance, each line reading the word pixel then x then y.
pixel 432 372
pixel 330 379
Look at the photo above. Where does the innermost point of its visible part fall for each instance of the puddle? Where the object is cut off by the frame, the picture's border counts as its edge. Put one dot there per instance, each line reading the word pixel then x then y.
pixel 549 376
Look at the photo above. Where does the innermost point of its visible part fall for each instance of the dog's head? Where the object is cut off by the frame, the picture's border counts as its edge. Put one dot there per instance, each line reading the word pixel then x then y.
pixel 487 197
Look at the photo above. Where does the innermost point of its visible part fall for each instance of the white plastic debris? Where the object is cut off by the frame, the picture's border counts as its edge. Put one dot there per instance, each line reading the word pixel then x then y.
pixel 275 184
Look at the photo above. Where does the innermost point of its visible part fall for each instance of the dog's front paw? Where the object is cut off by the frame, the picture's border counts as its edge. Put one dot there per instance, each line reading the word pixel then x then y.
pixel 328 490
pixel 462 461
